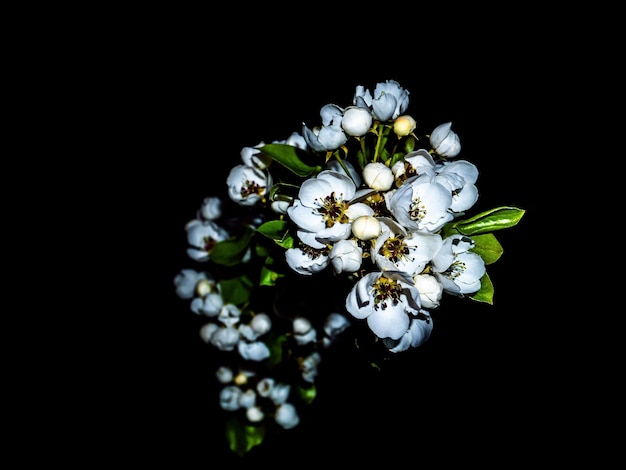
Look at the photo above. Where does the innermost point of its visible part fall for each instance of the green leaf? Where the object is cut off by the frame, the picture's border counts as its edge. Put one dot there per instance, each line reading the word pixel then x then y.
pixel 488 247
pixel 485 293
pixel 287 155
pixel 275 345
pixel 277 230
pixel 308 394
pixel 236 291
pixel 488 221
pixel 242 438
pixel 268 276
pixel 230 252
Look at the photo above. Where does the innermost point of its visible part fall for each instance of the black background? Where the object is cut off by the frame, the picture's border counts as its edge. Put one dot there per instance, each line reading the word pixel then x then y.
pixel 485 388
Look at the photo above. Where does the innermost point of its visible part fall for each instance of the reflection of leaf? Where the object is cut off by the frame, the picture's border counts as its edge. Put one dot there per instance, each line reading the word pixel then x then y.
pixel 485 293
pixel 287 155
pixel 241 438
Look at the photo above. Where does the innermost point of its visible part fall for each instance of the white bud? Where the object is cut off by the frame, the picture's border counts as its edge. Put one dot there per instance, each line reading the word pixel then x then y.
pixel 445 142
pixel 404 125
pixel 366 227
pixel 378 176
pixel 356 121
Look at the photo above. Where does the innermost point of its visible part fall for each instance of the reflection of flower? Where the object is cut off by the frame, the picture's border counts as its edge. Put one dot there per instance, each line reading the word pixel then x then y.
pixel 356 225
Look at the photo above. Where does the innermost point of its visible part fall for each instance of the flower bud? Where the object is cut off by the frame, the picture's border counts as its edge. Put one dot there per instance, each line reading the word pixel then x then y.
pixel 445 142
pixel 404 125
pixel 378 176
pixel 366 227
pixel 356 121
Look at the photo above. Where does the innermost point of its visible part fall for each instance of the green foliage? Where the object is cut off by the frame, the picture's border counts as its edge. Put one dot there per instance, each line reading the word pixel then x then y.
pixel 485 294
pixel 236 290
pixel 494 219
pixel 288 156
pixel 242 438
pixel 488 247
pixel 277 230
pixel 230 252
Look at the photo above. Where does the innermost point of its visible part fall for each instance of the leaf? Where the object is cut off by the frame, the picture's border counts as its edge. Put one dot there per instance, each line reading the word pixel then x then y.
pixel 485 293
pixel 488 247
pixel 236 291
pixel 277 230
pixel 230 252
pixel 242 438
pixel 287 155
pixel 307 395
pixel 268 277
pixel 488 221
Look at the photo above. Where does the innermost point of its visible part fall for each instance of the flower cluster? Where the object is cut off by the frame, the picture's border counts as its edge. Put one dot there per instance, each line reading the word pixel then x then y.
pixel 356 221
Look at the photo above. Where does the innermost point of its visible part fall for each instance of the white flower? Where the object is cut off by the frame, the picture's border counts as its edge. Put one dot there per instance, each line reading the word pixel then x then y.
pixel 356 121
pixel 458 269
pixel 430 290
pixel 418 332
pixel 247 185
pixel 378 176
pixel 186 281
pixel 387 300
pixel 335 324
pixel 210 209
pixel 255 414
pixel 346 256
pixel 323 206
pixel 445 141
pixel 306 260
pixel 459 177
pixel 330 136
pixel 394 250
pixel 389 100
pixel 420 204
pixel 253 157
pixel 247 399
pixel 225 339
pixel 224 374
pixel 229 397
pixel 256 351
pixel 286 416
pixel 202 235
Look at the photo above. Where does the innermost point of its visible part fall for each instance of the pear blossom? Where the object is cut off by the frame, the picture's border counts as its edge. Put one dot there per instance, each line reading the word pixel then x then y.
pixel 419 331
pixel 286 416
pixel 186 281
pixel 457 268
pixel 248 185
pixel 306 260
pixel 421 204
pixel 409 252
pixel 346 256
pixel 202 235
pixel 430 289
pixel 330 136
pixel 323 206
pixel 459 177
pixel 413 164
pixel 210 209
pixel 387 300
pixel 229 397
pixel 445 141
pixel 255 158
pixel 254 351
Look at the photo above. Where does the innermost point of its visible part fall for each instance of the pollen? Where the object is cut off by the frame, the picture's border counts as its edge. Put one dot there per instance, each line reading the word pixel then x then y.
pixel 417 210
pixel 386 290
pixel 394 249
pixel 333 210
